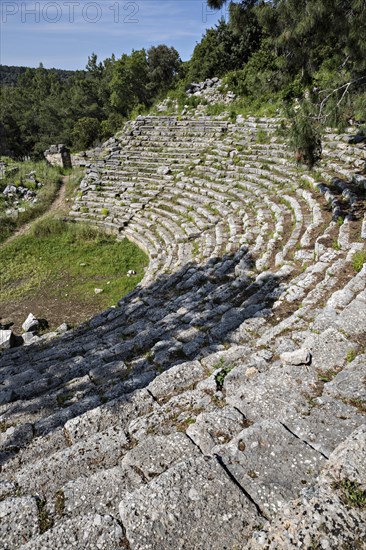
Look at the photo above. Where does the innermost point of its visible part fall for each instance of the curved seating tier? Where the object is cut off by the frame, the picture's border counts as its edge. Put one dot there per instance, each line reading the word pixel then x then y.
pixel 173 419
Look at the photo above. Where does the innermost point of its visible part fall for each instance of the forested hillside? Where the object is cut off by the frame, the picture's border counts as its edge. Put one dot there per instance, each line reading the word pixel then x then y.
pixel 307 54
pixel 44 107
pixel 9 75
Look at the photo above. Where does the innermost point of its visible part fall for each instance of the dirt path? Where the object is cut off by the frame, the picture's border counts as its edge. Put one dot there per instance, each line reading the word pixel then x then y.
pixel 58 204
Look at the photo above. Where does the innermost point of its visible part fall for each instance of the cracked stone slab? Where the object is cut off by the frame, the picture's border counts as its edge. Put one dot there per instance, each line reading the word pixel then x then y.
pixel 176 379
pixel 180 508
pixel 320 518
pixel 102 450
pixel 353 318
pixel 328 349
pixel 276 394
pixel 100 492
pixel 37 449
pixel 89 532
pixel 19 521
pixel 171 416
pixel 119 411
pixel 216 428
pixel 327 424
pixel 271 464
pixel 348 460
pixel 155 454
pixel 349 384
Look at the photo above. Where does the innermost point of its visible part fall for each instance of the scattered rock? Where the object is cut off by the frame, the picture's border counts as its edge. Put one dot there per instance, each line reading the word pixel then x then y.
pixel 163 170
pixel 63 328
pixel 29 338
pixel 98 290
pixel 298 357
pixel 31 324
pixel 7 339
pixel 250 372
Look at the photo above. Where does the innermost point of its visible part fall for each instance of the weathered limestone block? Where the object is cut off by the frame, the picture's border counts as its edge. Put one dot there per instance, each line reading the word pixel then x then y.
pixel 271 464
pixel 176 379
pixel 215 428
pixel 347 384
pixel 99 493
pixel 155 454
pixel 323 517
pixel 109 371
pixel 328 422
pixel 179 509
pixel 173 415
pixel 99 451
pixel 83 532
pixel 328 349
pixel 31 324
pixel 16 436
pixel 19 521
pixel 119 411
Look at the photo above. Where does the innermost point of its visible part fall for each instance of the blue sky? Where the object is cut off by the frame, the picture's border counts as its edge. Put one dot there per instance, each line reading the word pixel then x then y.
pixel 63 33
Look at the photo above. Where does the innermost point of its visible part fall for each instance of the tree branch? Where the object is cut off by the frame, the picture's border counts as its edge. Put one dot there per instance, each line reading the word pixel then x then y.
pixel 344 87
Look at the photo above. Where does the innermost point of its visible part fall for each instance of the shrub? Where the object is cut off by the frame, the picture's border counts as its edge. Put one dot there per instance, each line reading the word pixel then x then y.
pixel 304 137
pixel 359 258
pixel 104 211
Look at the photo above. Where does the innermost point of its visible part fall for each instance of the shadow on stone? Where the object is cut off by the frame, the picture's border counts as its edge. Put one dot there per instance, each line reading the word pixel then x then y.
pixel 181 317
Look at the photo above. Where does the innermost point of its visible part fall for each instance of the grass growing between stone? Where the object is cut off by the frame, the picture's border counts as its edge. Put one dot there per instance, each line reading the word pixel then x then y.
pixel 56 268
pixel 352 494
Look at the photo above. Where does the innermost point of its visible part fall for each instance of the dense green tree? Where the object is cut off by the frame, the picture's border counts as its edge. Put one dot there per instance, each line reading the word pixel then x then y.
pixel 163 66
pixel 85 132
pixel 308 50
pixel 222 49
pixel 129 82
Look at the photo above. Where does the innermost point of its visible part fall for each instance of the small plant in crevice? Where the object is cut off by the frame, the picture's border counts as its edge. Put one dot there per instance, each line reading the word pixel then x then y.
pixel 352 493
pixel 221 375
pixel 327 375
pixel 356 402
pixel 45 519
pixel 335 244
pixel 351 355
pixel 359 258
pixel 60 502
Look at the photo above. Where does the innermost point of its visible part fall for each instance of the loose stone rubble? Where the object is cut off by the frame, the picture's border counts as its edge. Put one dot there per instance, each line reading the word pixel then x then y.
pixel 222 403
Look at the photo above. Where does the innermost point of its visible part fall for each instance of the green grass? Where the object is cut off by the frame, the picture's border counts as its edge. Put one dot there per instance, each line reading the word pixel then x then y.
pixel 352 494
pixel 351 355
pixel 49 258
pixel 359 258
